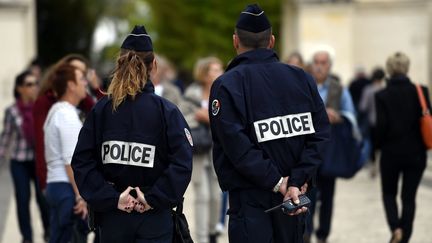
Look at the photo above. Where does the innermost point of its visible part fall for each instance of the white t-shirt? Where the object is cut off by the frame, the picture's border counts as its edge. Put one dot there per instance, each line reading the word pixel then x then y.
pixel 61 128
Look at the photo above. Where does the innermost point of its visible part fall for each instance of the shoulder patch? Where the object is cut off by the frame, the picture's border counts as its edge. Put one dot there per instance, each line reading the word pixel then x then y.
pixel 188 136
pixel 215 106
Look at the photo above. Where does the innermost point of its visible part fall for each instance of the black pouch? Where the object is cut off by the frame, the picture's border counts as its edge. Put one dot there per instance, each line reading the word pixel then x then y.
pixel 181 233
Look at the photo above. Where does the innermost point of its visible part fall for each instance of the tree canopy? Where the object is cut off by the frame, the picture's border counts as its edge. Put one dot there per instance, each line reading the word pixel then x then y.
pixel 186 30
pixel 182 30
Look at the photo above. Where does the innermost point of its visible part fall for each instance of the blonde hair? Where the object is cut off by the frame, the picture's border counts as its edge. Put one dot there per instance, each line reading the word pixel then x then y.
pixel 202 67
pixel 397 63
pixel 130 75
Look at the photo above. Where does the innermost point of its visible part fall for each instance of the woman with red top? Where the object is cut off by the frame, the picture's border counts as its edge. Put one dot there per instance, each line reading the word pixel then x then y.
pixel 47 98
pixel 17 138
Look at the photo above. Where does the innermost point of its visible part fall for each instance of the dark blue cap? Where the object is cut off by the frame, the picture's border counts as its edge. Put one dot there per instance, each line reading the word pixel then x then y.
pixel 138 40
pixel 253 19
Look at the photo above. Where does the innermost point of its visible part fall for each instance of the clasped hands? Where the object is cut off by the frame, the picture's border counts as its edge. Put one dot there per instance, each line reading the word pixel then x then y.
pixel 293 193
pixel 128 203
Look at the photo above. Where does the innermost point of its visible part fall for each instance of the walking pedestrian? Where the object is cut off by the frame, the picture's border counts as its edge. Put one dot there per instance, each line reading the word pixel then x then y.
pixel 18 137
pixel 207 191
pixel 403 153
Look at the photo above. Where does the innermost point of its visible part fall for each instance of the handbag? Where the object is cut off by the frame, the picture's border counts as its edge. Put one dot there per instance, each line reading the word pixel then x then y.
pixel 181 233
pixel 202 140
pixel 201 136
pixel 343 155
pixel 425 119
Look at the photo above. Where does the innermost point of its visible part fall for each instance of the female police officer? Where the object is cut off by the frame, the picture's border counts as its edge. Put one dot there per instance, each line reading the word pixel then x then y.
pixel 133 140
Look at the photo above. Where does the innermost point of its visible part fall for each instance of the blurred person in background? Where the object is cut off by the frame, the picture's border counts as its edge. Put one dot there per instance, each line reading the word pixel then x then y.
pixel 17 139
pixel 403 152
pixel 61 129
pixel 206 188
pixel 35 68
pixel 295 59
pixel 368 107
pixel 47 98
pixel 339 108
pixel 357 85
pixel 162 82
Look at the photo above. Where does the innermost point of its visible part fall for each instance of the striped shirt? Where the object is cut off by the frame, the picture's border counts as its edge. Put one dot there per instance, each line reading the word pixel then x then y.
pixel 12 139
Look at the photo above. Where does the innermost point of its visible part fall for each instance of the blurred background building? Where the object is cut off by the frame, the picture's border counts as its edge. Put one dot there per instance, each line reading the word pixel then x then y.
pixel 361 32
pixel 17 43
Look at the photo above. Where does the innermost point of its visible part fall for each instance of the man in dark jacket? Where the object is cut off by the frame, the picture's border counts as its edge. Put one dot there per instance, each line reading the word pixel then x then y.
pixel 268 125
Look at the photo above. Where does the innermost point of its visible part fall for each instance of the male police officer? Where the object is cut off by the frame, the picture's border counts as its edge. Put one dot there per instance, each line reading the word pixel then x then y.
pixel 268 124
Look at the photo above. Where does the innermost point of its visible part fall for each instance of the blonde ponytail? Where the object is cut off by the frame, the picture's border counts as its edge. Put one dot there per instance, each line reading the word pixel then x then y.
pixel 129 76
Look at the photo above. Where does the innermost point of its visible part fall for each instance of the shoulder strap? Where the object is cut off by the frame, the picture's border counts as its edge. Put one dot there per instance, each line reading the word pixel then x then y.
pixel 422 100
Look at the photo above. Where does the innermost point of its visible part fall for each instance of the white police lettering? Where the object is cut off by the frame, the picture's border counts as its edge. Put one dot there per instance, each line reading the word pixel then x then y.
pixel 125 153
pixel 284 126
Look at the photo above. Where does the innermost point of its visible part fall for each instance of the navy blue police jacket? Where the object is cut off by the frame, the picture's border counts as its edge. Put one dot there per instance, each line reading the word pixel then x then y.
pixel 268 121
pixel 145 142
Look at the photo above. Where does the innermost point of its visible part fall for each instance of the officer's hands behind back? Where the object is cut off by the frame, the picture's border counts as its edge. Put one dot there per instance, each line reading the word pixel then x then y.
pixel 133 199
pixel 126 202
pixel 293 193
pixel 142 205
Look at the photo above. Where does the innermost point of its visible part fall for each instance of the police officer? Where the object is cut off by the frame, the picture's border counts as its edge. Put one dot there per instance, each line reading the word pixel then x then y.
pixel 134 140
pixel 268 124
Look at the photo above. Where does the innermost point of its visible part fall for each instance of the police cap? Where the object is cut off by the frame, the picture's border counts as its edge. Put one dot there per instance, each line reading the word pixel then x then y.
pixel 138 40
pixel 253 19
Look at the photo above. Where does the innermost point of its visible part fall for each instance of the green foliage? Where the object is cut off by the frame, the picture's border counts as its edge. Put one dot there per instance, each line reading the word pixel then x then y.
pixel 182 30
pixel 65 27
pixel 185 30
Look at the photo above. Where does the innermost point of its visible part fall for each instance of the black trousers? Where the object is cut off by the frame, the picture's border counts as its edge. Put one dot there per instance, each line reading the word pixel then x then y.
pixel 411 168
pixel 324 193
pixel 249 223
pixel 154 226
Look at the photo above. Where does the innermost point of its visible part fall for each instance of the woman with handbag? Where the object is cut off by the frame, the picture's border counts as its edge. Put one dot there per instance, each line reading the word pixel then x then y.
pixel 133 159
pixel 403 150
pixel 207 192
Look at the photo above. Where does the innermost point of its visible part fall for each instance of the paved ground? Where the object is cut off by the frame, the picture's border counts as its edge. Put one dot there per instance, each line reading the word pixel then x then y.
pixel 358 218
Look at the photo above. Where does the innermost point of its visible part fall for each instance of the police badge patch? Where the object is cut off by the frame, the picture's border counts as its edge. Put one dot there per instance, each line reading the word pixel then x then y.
pixel 215 107
pixel 188 136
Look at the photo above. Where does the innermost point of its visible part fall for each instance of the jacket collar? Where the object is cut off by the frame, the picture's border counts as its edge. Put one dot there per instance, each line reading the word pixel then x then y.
pixel 148 87
pixel 399 79
pixel 260 55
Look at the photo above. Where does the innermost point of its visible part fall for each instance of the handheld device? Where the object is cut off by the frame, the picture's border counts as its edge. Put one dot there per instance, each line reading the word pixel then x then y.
pixel 289 206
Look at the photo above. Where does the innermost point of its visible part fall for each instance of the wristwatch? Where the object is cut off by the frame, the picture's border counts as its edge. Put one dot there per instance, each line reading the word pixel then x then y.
pixel 278 185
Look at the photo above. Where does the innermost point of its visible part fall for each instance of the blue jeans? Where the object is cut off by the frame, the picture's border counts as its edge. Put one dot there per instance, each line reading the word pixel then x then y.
pixel 61 199
pixel 22 173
